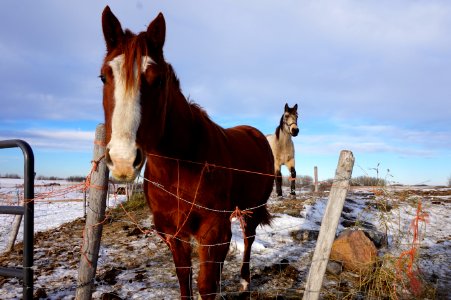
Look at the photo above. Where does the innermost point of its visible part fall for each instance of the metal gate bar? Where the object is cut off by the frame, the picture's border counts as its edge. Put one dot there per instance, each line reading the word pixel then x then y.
pixel 27 210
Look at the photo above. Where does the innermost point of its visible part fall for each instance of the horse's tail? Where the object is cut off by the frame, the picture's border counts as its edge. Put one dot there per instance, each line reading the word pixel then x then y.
pixel 266 217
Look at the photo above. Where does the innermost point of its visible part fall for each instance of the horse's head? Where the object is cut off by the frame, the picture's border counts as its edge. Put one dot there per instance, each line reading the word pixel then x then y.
pixel 133 76
pixel 290 119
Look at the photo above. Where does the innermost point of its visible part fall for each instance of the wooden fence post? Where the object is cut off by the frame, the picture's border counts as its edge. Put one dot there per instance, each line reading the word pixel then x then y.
pixel 92 233
pixel 315 172
pixel 84 204
pixel 329 225
pixel 15 229
pixel 14 232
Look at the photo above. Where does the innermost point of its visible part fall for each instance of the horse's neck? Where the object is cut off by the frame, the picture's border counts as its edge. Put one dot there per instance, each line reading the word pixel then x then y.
pixel 180 128
pixel 284 138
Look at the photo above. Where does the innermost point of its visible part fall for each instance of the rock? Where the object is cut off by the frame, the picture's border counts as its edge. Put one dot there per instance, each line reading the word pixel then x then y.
pixel 334 267
pixel 136 231
pixel 139 277
pixel 378 238
pixel 304 235
pixel 347 209
pixel 109 276
pixel 40 293
pixel 355 251
pixel 110 296
pixel 352 221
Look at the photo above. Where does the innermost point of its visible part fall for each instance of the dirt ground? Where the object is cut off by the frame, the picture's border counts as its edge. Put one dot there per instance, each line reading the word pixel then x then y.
pixel 130 253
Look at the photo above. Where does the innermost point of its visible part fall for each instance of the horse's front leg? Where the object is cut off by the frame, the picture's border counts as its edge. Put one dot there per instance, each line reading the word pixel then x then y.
pixel 214 239
pixel 278 182
pixel 290 165
pixel 293 181
pixel 181 253
pixel 249 237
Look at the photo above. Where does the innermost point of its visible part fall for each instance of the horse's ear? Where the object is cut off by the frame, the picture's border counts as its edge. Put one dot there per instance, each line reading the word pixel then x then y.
pixel 156 32
pixel 295 107
pixel 286 107
pixel 112 29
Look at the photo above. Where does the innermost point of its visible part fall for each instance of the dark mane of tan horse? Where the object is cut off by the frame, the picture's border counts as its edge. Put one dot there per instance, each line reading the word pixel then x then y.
pixel 197 174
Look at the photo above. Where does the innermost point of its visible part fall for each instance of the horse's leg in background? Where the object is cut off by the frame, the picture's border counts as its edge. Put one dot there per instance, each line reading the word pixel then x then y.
pixel 181 253
pixel 216 233
pixel 278 181
pixel 249 237
pixel 290 165
pixel 293 181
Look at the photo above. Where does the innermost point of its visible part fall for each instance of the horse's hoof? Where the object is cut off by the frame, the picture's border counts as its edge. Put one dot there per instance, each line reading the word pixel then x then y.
pixel 244 285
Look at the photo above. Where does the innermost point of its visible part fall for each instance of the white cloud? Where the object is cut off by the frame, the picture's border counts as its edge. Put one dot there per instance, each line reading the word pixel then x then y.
pixel 366 139
pixel 382 24
pixel 68 140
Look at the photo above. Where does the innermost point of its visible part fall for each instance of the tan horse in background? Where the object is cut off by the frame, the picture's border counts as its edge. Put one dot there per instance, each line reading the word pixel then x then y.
pixel 283 148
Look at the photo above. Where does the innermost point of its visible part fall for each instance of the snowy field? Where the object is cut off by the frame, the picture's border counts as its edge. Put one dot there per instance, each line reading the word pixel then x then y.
pixel 131 257
pixel 57 202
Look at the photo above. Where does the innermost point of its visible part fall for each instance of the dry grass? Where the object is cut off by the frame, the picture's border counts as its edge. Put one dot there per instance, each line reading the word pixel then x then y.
pixel 395 275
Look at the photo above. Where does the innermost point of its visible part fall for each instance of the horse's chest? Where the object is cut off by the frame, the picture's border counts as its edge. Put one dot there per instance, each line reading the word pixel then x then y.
pixel 285 152
pixel 185 189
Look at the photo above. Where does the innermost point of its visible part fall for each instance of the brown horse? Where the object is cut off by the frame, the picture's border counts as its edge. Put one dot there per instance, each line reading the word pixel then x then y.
pixel 197 173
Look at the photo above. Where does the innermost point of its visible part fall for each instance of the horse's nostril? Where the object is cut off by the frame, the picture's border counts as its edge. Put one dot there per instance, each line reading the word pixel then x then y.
pixel 108 160
pixel 138 159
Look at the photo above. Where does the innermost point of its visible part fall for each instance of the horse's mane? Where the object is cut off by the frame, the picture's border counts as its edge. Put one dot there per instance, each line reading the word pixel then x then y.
pixel 202 117
pixel 197 109
pixel 134 48
pixel 279 128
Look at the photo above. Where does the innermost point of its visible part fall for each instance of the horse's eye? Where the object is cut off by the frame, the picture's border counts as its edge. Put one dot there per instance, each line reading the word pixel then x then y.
pixel 102 77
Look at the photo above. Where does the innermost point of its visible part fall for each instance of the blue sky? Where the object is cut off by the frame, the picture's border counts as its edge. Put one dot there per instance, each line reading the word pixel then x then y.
pixel 373 77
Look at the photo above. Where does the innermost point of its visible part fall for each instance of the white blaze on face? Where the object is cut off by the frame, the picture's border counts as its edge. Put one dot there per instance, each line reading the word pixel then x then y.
pixel 126 117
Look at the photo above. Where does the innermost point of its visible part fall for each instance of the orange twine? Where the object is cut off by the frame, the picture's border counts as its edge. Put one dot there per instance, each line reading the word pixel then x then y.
pixel 240 216
pixel 410 254
pixel 95 165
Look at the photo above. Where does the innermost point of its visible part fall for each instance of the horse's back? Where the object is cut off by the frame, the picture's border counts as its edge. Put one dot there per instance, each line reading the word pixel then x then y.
pixel 250 149
pixel 252 155
pixel 272 139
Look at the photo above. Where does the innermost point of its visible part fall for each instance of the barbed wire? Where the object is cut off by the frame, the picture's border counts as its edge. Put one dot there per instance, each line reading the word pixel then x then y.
pixel 280 291
pixel 85 185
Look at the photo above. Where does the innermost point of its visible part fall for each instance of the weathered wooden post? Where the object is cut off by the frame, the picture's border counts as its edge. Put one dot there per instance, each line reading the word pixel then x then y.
pixel 15 228
pixel 315 172
pixel 329 225
pixel 14 232
pixel 98 190
pixel 84 204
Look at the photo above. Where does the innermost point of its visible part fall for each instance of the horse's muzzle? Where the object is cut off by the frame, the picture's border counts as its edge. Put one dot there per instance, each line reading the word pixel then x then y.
pixel 294 131
pixel 124 168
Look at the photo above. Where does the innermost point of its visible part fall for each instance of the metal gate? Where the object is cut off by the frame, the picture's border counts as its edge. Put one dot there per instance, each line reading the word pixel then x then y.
pixel 27 210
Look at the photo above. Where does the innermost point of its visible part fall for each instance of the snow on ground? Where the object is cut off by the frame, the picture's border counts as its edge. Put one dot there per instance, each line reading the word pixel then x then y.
pixel 134 256
pixel 57 202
